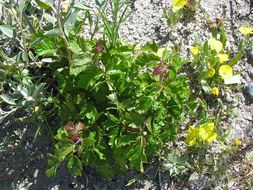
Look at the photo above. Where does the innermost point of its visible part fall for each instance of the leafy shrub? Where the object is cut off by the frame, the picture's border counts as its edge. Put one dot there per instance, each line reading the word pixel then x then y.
pixel 117 105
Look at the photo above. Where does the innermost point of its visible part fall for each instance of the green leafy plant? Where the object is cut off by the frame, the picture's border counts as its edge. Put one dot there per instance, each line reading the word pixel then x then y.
pixel 212 64
pixel 128 104
pixel 116 105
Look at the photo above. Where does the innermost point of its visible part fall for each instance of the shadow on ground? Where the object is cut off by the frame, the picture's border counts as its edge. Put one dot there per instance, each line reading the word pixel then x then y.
pixel 23 164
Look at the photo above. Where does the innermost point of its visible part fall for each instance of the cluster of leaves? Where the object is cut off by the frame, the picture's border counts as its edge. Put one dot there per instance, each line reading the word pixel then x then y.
pixel 117 104
pixel 129 101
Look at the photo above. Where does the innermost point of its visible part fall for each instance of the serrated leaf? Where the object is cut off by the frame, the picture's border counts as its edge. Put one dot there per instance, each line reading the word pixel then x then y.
pixel 75 48
pixel 70 23
pixel 44 47
pixel 79 65
pixel 74 166
pixel 7 30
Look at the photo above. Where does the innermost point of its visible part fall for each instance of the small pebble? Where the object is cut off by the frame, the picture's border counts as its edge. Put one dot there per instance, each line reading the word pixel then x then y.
pixel 250 89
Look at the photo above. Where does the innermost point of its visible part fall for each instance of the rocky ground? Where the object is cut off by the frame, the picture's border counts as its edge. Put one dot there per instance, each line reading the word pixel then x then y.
pixel 23 162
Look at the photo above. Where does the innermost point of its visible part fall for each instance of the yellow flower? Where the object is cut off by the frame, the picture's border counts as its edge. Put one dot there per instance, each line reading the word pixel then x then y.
pixel 178 4
pixel 237 142
pixel 225 71
pixel 207 133
pixel 191 136
pixel 246 30
pixel 223 57
pixel 215 44
pixel 160 52
pixel 215 91
pixel 211 73
pixel 195 50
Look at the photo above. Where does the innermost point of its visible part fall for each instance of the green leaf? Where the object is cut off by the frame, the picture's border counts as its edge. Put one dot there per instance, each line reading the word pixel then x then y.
pixel 75 48
pixel 127 139
pixel 150 46
pixel 99 153
pixel 131 182
pixel 70 23
pixel 235 59
pixel 62 150
pixel 74 166
pixel 44 47
pixel 22 5
pixel 137 158
pixel 223 37
pixel 9 100
pixel 53 32
pixel 100 3
pixel 50 18
pixel 149 125
pixel 61 134
pixel 79 65
pixel 146 58
pixel 81 6
pixel 45 4
pixel 88 77
pixel 205 48
pixel 8 31
pixel 214 31
pixel 205 87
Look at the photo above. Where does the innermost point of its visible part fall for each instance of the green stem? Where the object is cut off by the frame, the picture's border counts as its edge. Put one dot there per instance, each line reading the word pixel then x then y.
pixel 59 21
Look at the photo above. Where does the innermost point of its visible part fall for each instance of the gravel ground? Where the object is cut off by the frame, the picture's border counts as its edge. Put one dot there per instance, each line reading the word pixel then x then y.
pixel 23 163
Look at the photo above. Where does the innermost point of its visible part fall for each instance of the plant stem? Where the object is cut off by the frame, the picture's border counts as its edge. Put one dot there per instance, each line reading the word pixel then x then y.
pixel 62 31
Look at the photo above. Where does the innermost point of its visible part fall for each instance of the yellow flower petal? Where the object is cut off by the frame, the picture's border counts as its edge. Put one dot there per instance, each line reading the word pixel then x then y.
pixel 160 52
pixel 207 133
pixel 215 44
pixel 225 71
pixel 246 30
pixel 215 91
pixel 237 142
pixel 178 4
pixel 211 137
pixel 203 135
pixel 195 50
pixel 211 73
pixel 191 136
pixel 223 57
